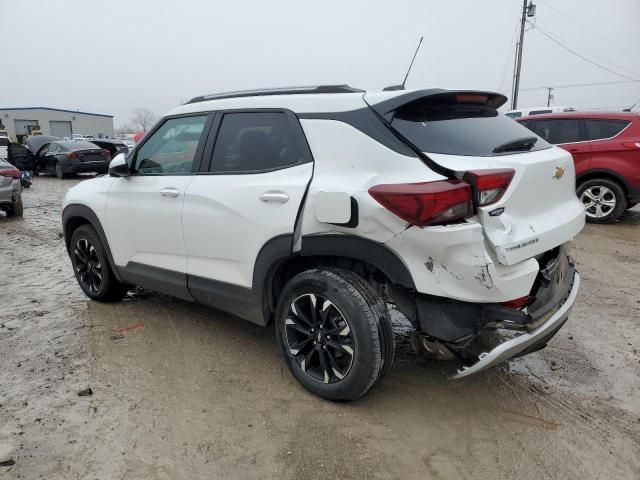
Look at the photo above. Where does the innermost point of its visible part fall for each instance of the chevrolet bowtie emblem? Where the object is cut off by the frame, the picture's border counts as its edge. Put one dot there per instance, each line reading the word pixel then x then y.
pixel 558 173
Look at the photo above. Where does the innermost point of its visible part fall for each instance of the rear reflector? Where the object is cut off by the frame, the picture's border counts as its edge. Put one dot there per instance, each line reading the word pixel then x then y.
pixel 10 172
pixel 428 203
pixel 489 185
pixel 518 303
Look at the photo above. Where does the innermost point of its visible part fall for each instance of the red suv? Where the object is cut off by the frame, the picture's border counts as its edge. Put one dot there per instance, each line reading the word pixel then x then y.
pixel 606 153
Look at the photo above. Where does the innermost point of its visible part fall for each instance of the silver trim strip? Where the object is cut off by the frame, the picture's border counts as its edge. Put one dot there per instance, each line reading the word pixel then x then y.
pixel 511 348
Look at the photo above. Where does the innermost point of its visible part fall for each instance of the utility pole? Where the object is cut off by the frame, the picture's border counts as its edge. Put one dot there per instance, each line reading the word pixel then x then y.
pixel 549 96
pixel 527 11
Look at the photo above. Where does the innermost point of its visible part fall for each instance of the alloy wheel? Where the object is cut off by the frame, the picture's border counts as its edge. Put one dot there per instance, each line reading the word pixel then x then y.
pixel 88 266
pixel 319 337
pixel 59 170
pixel 599 201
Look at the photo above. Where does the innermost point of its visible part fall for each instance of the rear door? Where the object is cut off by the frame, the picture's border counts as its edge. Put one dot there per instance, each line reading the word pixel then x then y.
pixel 463 131
pixel 144 210
pixel 614 146
pixel 252 184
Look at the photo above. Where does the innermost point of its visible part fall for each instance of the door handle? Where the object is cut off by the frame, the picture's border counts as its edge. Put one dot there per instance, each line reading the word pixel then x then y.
pixel 169 192
pixel 274 197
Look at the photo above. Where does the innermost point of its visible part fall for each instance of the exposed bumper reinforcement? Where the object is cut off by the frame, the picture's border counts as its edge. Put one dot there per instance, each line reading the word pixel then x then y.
pixel 525 341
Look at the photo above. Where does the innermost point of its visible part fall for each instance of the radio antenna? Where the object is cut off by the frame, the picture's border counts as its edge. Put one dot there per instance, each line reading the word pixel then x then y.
pixel 412 60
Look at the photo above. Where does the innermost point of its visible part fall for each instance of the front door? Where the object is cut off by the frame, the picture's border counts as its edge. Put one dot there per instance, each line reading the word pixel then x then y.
pixel 144 227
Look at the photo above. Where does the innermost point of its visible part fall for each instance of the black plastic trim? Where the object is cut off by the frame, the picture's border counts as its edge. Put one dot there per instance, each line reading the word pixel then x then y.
pixel 85 213
pixel 156 279
pixel 604 171
pixel 358 248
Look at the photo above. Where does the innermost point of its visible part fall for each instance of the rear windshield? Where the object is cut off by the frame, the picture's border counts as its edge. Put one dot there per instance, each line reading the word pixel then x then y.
pixel 463 129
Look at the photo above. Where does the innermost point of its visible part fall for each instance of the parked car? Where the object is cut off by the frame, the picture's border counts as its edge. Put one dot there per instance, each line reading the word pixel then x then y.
pixel 114 147
pixel 64 158
pixel 20 157
pixel 527 112
pixel 315 207
pixel 606 152
pixel 10 190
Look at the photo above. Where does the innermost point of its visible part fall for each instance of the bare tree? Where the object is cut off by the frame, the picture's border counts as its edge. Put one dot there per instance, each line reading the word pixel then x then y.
pixel 143 118
pixel 124 129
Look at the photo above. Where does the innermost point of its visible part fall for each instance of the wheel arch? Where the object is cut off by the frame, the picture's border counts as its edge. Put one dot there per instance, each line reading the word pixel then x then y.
pixel 373 261
pixel 75 215
pixel 603 173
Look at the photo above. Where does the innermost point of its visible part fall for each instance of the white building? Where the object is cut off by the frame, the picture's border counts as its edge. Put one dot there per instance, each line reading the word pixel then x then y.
pixel 53 121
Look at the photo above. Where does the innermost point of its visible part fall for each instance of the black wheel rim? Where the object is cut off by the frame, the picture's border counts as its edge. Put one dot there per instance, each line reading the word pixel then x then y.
pixel 58 169
pixel 88 266
pixel 319 338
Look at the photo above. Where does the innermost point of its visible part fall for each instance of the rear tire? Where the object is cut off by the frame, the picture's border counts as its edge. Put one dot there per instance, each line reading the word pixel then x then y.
pixel 604 200
pixel 91 266
pixel 334 332
pixel 17 208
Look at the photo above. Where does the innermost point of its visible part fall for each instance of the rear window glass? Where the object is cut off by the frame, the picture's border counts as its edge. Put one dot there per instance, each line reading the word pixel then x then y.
pixel 601 129
pixel 79 145
pixel 463 129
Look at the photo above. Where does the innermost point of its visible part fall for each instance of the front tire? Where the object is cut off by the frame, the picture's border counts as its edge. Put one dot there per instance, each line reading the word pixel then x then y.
pixel 91 266
pixel 604 200
pixel 334 332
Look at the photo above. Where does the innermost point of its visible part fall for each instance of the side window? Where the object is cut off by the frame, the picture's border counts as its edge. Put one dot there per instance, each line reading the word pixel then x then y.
pixel 170 150
pixel 255 141
pixel 558 131
pixel 539 112
pixel 52 148
pixel 601 129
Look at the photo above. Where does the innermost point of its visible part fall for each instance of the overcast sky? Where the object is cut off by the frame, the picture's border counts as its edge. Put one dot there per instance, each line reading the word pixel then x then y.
pixel 114 56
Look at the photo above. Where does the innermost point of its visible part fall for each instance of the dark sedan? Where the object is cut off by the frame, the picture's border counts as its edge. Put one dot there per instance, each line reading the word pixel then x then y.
pixel 113 146
pixel 64 158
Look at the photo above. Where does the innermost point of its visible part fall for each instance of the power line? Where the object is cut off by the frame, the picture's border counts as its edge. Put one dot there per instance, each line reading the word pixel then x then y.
pixel 589 29
pixel 577 85
pixel 587 52
pixel 550 37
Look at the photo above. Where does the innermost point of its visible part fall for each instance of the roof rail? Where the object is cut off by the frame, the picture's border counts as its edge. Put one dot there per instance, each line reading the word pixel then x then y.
pixel 278 91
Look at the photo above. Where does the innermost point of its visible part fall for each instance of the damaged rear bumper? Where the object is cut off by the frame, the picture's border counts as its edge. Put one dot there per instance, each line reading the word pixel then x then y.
pixel 528 341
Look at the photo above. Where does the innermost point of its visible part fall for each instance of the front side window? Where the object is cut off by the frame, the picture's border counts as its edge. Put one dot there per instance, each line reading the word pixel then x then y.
pixel 171 149
pixel 513 114
pixel 559 131
pixel 601 129
pixel 249 142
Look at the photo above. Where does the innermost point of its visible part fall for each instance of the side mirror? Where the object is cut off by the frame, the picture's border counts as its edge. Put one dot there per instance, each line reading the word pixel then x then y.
pixel 119 166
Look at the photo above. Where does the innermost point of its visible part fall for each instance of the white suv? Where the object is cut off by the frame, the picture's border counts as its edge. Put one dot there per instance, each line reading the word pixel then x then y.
pixel 315 207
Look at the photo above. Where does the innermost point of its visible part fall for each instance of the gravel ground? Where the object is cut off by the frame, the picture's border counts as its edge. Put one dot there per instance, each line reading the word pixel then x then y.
pixel 181 391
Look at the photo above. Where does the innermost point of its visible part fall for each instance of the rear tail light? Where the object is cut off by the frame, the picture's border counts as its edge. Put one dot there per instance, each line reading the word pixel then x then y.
pixel 518 303
pixel 488 185
pixel 72 155
pixel 10 172
pixel 105 153
pixel 427 203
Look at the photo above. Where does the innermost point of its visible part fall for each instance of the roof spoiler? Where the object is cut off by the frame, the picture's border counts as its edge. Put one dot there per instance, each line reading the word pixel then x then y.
pixel 386 108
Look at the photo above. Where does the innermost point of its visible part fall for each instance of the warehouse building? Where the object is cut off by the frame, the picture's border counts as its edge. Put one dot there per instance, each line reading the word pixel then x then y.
pixel 20 122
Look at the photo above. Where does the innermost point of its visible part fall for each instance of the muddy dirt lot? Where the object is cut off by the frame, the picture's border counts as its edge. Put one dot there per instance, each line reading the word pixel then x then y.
pixel 181 391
